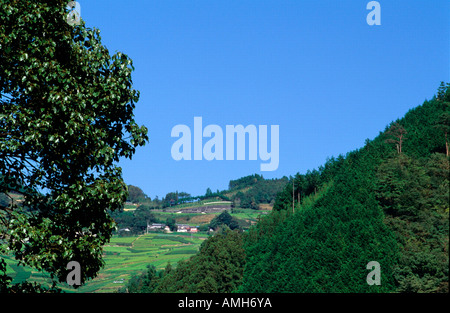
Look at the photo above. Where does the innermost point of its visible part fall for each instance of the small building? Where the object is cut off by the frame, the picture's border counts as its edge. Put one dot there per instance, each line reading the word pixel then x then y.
pixel 194 229
pixel 155 226
pixel 183 228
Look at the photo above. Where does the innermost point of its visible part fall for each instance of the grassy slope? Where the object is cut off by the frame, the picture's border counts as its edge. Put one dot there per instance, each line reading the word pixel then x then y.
pixel 124 257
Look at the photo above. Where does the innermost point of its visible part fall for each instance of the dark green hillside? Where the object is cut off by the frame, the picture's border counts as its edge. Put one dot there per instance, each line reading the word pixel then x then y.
pixel 374 204
pixel 326 245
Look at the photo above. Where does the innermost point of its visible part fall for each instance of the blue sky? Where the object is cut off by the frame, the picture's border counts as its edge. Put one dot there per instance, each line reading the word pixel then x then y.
pixel 315 68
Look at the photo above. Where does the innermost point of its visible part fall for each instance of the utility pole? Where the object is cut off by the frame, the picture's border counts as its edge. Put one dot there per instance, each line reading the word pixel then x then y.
pixel 293 197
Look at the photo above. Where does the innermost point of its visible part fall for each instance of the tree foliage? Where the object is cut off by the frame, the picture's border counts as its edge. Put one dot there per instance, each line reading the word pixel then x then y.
pixel 244 181
pixel 66 117
pixel 415 195
pixel 146 282
pixel 217 268
pixel 254 190
pixel 396 134
pixel 136 195
pixel 224 219
pixel 134 221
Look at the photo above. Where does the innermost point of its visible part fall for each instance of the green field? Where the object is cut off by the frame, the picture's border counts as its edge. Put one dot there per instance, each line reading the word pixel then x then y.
pixel 124 257
pixel 128 256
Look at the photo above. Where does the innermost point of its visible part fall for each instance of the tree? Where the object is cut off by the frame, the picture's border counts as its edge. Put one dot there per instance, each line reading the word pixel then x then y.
pixel 443 124
pixel 144 215
pixel 66 118
pixel 146 282
pixel 224 219
pixel 171 223
pixel 216 268
pixel 400 184
pixel 183 195
pixel 135 194
pixel 398 133
pixel 443 93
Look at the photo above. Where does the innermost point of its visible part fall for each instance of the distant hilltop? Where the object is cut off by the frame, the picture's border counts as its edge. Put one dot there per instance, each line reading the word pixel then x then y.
pixel 211 207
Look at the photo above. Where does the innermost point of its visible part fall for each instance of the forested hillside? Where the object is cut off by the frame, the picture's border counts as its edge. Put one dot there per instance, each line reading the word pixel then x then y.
pixel 253 190
pixel 387 202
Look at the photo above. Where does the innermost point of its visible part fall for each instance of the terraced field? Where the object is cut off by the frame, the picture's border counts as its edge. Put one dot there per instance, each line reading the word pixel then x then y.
pixel 125 257
pixel 128 256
